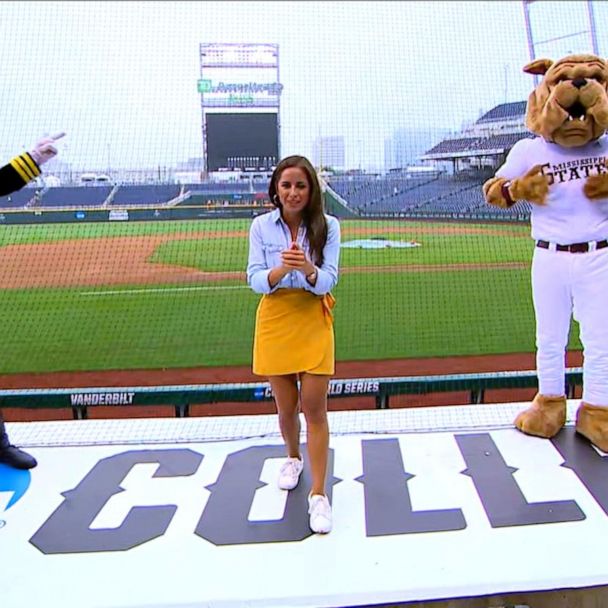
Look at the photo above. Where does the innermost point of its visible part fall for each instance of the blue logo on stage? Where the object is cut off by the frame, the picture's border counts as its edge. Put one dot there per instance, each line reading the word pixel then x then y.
pixel 14 481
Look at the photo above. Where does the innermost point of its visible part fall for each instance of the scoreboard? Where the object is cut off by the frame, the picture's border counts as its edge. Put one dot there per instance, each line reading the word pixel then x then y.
pixel 242 142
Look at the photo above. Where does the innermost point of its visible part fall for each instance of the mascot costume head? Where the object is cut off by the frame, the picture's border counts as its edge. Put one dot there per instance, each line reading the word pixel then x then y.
pixel 563 172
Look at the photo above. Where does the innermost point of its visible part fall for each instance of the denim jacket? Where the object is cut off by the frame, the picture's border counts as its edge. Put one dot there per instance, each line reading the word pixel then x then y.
pixel 269 236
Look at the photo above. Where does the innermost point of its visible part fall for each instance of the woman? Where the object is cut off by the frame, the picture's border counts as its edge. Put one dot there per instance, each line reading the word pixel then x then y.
pixel 293 261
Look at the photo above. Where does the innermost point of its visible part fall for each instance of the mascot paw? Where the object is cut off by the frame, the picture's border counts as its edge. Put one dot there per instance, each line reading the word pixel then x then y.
pixel 596 186
pixel 544 418
pixel 592 423
pixel 492 192
pixel 532 187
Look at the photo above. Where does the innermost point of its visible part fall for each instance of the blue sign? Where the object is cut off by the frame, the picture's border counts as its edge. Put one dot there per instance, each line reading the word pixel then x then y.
pixel 259 393
pixel 15 481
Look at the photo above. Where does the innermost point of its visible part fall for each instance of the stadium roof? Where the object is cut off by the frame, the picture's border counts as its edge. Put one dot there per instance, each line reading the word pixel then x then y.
pixel 504 111
pixel 474 145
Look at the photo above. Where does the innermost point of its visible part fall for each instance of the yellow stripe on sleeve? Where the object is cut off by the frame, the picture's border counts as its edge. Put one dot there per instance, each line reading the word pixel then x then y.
pixel 29 161
pixel 25 167
pixel 17 167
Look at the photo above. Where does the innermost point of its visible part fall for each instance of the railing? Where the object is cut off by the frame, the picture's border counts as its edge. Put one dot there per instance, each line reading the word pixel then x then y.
pixel 182 396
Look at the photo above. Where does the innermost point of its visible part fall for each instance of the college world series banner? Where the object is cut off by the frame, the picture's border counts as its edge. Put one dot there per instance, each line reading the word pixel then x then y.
pixel 418 516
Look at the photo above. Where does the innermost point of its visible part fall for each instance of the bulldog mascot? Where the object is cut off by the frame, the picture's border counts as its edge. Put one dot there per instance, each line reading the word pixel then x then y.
pixel 563 173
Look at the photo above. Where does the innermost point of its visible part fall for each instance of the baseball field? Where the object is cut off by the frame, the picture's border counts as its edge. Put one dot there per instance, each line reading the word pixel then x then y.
pixel 164 295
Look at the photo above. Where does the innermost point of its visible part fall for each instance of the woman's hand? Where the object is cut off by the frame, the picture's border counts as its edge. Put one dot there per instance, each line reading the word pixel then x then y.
pixel 294 258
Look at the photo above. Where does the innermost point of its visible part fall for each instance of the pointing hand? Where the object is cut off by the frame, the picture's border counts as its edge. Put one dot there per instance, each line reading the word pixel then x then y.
pixel 45 149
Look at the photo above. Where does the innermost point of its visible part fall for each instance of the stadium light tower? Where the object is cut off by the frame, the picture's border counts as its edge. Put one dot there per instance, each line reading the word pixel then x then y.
pixel 532 44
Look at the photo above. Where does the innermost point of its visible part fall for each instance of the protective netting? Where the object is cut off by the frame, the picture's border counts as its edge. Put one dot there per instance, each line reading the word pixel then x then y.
pixel 129 250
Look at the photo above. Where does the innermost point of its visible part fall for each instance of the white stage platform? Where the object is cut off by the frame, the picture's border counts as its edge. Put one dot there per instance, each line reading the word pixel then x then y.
pixel 430 504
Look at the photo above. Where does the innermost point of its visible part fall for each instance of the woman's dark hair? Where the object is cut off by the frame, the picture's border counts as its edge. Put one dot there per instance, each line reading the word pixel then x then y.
pixel 314 213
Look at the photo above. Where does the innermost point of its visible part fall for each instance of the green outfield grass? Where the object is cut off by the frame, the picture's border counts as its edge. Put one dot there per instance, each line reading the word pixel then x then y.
pixel 380 314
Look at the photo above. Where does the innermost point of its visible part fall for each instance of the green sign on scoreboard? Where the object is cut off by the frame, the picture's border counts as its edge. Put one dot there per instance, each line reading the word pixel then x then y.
pixel 204 85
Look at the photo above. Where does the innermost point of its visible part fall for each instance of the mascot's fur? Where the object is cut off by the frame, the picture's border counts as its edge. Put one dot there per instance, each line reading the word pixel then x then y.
pixel 568 108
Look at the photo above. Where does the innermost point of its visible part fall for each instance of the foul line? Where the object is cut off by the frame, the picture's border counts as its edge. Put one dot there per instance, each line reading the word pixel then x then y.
pixel 160 290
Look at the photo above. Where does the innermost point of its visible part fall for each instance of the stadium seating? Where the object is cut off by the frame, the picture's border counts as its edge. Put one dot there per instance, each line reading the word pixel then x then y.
pixel 453 194
pixel 74 196
pixel 145 195
pixel 17 199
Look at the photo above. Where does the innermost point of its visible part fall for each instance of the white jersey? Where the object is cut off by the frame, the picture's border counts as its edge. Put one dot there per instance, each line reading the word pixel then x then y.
pixel 568 216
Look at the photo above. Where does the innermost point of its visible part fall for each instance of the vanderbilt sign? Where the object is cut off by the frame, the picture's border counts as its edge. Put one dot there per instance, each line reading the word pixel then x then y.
pixel 112 398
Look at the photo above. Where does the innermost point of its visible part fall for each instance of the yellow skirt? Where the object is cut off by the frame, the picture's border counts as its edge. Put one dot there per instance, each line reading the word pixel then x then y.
pixel 294 332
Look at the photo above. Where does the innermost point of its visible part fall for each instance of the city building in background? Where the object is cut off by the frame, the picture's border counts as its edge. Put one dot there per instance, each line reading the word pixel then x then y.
pixel 328 153
pixel 405 146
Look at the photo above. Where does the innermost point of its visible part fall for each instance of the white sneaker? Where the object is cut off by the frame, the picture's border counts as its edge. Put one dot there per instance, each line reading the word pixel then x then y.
pixel 319 510
pixel 289 475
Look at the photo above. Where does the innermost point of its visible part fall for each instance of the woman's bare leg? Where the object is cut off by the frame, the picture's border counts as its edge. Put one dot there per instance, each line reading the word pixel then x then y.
pixel 285 391
pixel 314 405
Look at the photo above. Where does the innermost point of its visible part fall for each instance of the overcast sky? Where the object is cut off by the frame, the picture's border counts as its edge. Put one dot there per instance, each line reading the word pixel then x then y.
pixel 121 77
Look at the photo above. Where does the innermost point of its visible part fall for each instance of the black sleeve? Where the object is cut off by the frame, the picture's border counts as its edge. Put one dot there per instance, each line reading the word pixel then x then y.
pixel 20 171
